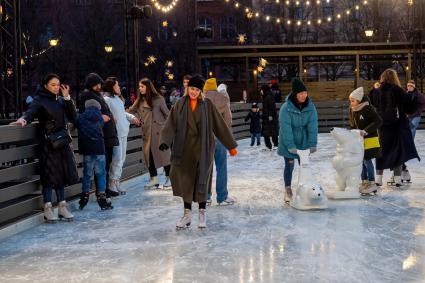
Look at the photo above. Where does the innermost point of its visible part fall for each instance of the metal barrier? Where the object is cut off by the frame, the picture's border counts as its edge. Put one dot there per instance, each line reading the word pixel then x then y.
pixel 20 191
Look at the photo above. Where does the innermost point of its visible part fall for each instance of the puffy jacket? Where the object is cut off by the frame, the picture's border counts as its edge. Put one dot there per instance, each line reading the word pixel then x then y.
pixel 90 134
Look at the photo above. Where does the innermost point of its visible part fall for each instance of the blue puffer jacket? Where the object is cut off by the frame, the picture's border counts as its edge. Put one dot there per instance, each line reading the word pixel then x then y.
pixel 90 132
pixel 298 128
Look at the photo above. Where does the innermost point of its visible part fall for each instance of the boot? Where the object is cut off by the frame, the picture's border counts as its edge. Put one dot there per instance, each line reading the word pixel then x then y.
pixel 103 202
pixel 48 213
pixel 154 183
pixel 287 197
pixel 113 186
pixel 84 199
pixel 363 185
pixel 378 180
pixel 391 181
pixel 64 213
pixel 110 193
pixel 185 221
pixel 405 176
pixel 397 181
pixel 368 188
pixel 202 219
pixel 167 183
pixel 121 190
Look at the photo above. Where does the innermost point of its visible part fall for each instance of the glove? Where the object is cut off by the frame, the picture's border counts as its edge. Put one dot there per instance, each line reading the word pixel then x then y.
pixel 270 118
pixel 163 147
pixel 313 149
pixel 233 152
pixel 293 150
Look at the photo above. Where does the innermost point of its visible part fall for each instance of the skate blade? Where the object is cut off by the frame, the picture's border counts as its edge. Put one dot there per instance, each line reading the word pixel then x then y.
pixel 123 193
pixel 178 228
pixel 202 227
pixel 49 221
pixel 66 219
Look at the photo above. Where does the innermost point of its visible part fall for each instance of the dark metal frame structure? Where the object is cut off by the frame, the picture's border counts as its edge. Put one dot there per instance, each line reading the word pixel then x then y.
pixel 10 59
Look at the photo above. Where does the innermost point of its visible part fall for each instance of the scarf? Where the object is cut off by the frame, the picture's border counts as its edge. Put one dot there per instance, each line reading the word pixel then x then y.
pixel 359 106
pixel 179 141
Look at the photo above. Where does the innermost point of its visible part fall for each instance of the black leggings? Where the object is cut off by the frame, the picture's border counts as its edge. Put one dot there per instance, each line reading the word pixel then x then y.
pixel 202 205
pixel 275 141
pixel 152 167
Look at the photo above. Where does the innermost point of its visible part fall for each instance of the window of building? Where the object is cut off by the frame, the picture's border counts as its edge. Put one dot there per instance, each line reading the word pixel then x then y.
pixel 228 28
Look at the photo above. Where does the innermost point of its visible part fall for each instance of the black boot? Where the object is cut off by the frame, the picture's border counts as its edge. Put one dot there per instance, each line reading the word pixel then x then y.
pixel 84 199
pixel 103 202
pixel 111 193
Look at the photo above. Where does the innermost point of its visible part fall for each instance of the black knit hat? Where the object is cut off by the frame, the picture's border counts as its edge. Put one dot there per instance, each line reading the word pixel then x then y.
pixel 197 81
pixel 297 86
pixel 93 79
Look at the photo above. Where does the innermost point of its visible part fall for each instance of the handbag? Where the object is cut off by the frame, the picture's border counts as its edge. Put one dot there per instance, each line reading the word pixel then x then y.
pixel 59 139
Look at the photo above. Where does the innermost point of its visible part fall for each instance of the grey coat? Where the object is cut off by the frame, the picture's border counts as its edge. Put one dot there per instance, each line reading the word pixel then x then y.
pixel 153 120
pixel 184 176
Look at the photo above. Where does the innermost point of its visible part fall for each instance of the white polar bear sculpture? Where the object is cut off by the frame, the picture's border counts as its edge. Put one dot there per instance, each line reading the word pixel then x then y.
pixel 347 163
pixel 308 194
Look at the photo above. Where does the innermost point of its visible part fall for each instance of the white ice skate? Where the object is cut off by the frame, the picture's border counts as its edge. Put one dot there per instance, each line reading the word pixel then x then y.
pixel 308 193
pixel 405 176
pixel 184 222
pixel 347 162
pixel 153 184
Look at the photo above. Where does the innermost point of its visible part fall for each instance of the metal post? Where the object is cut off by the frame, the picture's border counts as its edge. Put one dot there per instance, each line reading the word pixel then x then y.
pixel 409 66
pixel 126 48
pixel 247 73
pixel 356 83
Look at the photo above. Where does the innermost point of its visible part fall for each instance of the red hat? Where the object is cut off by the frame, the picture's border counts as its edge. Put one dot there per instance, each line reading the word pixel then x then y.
pixel 273 82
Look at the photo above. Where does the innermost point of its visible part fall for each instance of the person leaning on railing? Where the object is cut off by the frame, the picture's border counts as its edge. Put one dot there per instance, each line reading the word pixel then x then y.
pixel 53 107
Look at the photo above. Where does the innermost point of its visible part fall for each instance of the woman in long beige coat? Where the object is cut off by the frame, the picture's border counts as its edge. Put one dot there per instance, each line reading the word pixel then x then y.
pixel 151 109
pixel 191 128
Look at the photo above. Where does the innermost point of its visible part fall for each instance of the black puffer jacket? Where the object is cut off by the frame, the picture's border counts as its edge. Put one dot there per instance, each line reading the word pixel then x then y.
pixel 270 120
pixel 57 166
pixel 110 135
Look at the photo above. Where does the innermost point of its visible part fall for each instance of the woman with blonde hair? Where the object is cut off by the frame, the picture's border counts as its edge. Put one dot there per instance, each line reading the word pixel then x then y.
pixel 392 104
pixel 151 109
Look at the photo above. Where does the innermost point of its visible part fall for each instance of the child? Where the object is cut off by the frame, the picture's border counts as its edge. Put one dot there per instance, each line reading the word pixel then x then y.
pixel 365 118
pixel 191 127
pixel 92 147
pixel 255 126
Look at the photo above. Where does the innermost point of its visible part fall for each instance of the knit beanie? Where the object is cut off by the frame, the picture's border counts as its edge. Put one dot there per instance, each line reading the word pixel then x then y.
pixel 210 84
pixel 357 94
pixel 93 79
pixel 92 103
pixel 196 81
pixel 254 105
pixel 297 86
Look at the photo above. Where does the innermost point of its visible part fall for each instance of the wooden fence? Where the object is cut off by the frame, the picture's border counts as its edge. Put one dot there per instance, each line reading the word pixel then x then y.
pixel 20 191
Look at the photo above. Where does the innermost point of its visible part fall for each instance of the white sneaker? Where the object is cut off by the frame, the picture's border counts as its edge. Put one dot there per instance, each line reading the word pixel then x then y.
pixel 167 183
pixel 185 221
pixel 49 216
pixel 228 201
pixel 154 183
pixel 64 213
pixel 202 219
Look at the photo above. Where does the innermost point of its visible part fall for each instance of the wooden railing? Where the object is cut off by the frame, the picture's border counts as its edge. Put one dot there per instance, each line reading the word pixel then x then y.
pixel 20 191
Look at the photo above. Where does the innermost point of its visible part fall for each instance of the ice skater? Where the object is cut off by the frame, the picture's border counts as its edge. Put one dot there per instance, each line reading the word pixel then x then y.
pixel 191 129
pixel 255 124
pixel 364 117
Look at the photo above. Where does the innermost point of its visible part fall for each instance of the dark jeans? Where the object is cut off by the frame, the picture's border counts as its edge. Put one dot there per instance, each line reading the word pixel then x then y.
pixel 256 136
pixel 152 168
pixel 287 172
pixel 268 143
pixel 47 194
pixel 368 170
pixel 108 158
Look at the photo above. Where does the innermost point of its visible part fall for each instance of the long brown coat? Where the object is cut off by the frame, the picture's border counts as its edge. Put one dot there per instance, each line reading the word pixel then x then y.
pixel 153 120
pixel 184 176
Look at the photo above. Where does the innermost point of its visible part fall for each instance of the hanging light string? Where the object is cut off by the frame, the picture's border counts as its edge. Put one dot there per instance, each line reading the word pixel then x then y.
pixel 164 8
pixel 251 13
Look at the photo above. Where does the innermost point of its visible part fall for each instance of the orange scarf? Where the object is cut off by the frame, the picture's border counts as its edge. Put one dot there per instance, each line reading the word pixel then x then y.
pixel 193 103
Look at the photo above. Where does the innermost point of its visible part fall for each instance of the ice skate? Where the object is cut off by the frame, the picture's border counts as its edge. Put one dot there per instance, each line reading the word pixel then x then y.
pixel 287 195
pixel 184 222
pixel 167 183
pixel 64 213
pixel 202 219
pixel 110 193
pixel 228 201
pixel 391 181
pixel 369 188
pixel 405 176
pixel 378 180
pixel 104 204
pixel 153 184
pixel 84 199
pixel 209 202
pixel 114 187
pixel 119 188
pixel 49 216
pixel 397 181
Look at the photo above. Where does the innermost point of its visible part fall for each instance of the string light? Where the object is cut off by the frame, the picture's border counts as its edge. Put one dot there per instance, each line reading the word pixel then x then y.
pixel 151 59
pixel 149 39
pixel 165 8
pixel 241 38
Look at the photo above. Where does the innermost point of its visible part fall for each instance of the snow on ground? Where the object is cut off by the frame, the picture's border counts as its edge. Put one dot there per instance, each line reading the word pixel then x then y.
pixel 373 239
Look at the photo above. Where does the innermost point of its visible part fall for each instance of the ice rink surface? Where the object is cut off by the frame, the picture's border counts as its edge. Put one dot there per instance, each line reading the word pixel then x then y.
pixel 372 239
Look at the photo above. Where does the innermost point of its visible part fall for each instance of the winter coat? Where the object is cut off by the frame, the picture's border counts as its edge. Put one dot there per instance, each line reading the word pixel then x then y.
pixel 365 118
pixel 90 132
pixel 153 120
pixel 222 103
pixel 122 118
pixel 418 99
pixel 255 124
pixel 298 127
pixel 392 103
pixel 57 166
pixel 276 93
pixel 110 135
pixel 184 175
pixel 270 119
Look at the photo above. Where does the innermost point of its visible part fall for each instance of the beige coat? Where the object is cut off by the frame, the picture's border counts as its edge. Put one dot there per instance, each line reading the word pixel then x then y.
pixel 184 176
pixel 222 103
pixel 153 120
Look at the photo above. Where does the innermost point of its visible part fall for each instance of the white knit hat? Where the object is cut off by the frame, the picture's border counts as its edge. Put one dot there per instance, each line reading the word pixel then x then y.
pixel 357 94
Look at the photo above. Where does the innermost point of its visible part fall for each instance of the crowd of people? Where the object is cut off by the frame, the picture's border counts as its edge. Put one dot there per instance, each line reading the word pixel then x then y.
pixel 187 131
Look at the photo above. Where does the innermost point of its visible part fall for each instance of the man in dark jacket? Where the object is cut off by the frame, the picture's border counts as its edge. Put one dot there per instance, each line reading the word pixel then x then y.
pixel 92 147
pixel 255 124
pixel 93 87
pixel 270 120
pixel 276 91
